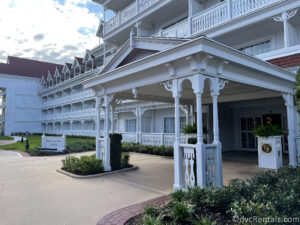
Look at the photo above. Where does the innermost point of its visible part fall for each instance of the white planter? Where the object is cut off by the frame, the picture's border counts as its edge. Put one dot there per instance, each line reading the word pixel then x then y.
pixel 270 152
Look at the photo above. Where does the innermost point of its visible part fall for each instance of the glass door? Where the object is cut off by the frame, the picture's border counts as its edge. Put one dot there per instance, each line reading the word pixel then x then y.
pixel 248 140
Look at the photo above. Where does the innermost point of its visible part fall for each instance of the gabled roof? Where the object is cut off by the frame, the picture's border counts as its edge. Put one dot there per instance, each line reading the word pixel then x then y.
pixel 77 61
pixel 49 77
pixel 100 32
pixel 56 73
pixel 66 67
pixel 26 67
pixel 140 47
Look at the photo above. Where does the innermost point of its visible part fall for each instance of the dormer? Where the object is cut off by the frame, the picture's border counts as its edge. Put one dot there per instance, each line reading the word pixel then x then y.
pixel 49 80
pixel 57 76
pixel 77 66
pixel 88 61
pixel 43 82
pixel 66 71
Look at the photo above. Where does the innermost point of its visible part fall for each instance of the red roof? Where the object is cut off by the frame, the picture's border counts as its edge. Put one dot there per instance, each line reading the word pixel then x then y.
pixel 286 61
pixel 27 67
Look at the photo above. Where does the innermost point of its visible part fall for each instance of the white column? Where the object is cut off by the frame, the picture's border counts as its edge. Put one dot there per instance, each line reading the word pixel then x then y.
pixel 218 155
pixel 199 118
pixel 112 119
pixel 215 118
pixel 289 102
pixel 107 166
pixel 137 124
pixel 288 30
pixel 178 155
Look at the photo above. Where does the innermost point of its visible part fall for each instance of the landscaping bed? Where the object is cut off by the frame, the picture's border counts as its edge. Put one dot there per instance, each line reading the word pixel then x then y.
pixel 90 165
pixel 73 144
pixel 270 194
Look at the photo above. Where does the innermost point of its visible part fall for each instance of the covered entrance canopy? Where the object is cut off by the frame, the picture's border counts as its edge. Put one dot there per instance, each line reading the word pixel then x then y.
pixel 186 71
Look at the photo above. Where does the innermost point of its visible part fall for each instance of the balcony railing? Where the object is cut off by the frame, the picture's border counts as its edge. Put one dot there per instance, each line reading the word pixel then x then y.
pixel 69 98
pixel 86 113
pixel 128 13
pixel 214 16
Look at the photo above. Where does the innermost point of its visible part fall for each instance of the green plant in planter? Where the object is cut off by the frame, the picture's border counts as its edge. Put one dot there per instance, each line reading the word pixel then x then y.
pixel 192 129
pixel 267 130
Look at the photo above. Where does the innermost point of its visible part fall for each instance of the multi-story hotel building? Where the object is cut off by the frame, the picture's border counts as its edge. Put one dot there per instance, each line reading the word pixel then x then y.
pixel 141 31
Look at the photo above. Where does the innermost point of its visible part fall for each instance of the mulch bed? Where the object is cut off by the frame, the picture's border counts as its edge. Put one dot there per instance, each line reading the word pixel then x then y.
pixel 220 219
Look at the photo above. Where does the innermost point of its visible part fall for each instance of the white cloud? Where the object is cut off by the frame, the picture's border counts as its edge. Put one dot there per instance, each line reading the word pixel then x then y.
pixel 46 30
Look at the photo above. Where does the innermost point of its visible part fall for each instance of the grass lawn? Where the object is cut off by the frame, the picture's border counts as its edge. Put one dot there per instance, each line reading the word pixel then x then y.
pixel 36 141
pixel 6 138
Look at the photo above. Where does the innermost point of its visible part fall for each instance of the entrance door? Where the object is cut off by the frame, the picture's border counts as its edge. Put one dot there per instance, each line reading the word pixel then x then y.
pixel 248 140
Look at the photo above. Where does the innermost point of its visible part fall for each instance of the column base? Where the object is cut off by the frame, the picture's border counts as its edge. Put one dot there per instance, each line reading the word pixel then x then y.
pixel 177 187
pixel 107 168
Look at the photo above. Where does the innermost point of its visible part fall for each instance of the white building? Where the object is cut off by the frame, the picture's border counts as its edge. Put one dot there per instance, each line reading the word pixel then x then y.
pixel 20 103
pixel 154 47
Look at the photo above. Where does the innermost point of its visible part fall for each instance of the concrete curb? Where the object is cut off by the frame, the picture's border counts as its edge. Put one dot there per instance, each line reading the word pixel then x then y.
pixel 95 175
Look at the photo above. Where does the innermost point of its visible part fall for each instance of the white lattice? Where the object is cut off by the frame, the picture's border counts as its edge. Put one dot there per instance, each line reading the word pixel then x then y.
pixel 189 160
pixel 128 13
pixel 210 153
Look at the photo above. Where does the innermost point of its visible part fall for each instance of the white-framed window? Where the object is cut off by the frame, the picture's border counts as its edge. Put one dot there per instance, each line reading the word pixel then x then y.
pixel 258 48
pixel 169 124
pixel 130 125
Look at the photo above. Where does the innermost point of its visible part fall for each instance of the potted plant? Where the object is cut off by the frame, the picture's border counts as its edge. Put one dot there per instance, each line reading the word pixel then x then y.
pixel 269 146
pixel 191 132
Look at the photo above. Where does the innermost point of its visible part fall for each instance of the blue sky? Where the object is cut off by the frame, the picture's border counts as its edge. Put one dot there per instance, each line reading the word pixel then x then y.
pixel 49 30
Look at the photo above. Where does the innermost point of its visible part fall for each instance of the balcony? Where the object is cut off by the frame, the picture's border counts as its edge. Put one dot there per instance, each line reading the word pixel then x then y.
pixel 214 16
pixel 69 98
pixel 127 14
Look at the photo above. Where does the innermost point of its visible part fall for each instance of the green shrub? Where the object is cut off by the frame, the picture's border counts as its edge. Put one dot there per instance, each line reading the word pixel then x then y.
pixel 267 130
pixel 37 152
pixel 269 194
pixel 148 149
pixel 151 210
pixel 192 141
pixel 125 160
pixel 115 151
pixel 152 220
pixel 85 165
pixel 80 146
pixel 192 129
pixel 181 212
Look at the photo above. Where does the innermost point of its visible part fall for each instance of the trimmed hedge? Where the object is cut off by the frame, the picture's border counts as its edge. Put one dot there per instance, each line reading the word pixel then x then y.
pixel 148 149
pixel 115 151
pixel 85 165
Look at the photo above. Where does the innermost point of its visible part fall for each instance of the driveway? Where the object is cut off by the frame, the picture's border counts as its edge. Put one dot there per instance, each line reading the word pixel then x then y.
pixel 33 193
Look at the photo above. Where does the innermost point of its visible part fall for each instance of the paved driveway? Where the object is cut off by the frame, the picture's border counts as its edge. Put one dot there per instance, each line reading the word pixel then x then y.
pixel 33 193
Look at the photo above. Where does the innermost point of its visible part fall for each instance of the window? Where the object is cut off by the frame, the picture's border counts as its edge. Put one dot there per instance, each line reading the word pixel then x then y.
pixel 169 124
pixel 257 49
pixel 131 125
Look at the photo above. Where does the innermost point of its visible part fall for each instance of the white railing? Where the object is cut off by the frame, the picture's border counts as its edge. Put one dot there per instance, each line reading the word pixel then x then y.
pixel 127 14
pixel 145 4
pixel 242 7
pixel 129 137
pixel 179 30
pixel 112 24
pixel 155 138
pixel 109 58
pixel 214 16
pixel 89 113
pixel 91 133
pixel 69 98
pixel 211 17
